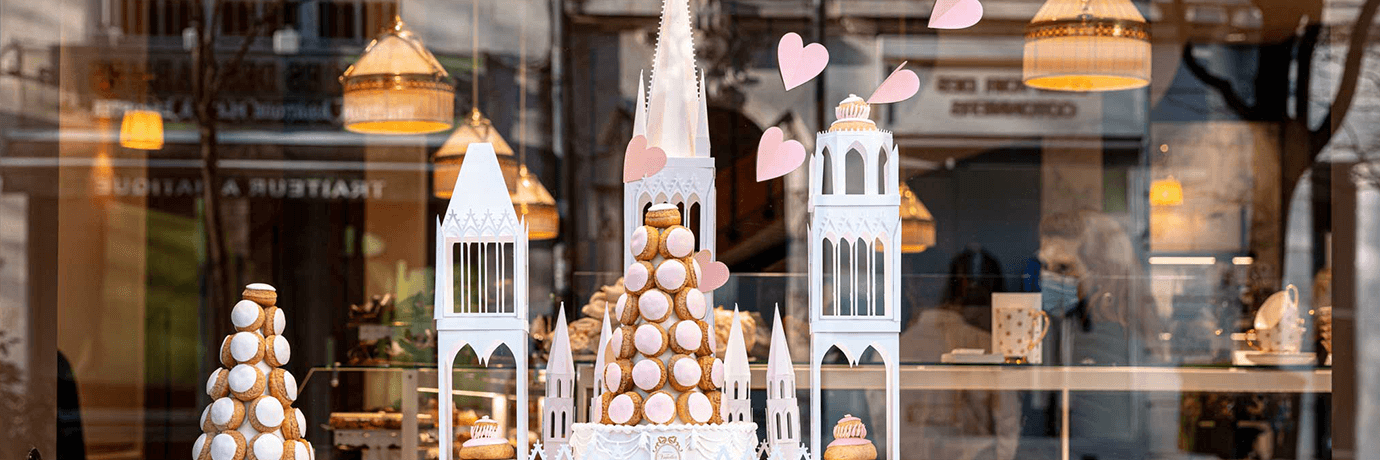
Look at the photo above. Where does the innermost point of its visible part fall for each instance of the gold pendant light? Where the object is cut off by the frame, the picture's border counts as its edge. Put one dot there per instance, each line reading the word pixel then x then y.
pixel 1087 45
pixel 142 129
pixel 536 206
pixel 397 87
pixel 917 224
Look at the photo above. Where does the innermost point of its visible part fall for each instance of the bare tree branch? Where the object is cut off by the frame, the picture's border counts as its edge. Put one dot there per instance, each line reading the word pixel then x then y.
pixel 1351 71
pixel 1222 85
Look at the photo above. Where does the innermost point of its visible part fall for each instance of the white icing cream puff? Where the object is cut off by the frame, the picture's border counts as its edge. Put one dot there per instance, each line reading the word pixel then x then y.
pixel 670 275
pixel 243 378
pixel 688 335
pixel 266 447
pixel 686 372
pixel 637 278
pixel 224 414
pixel 650 339
pixel 227 446
pixel 654 305
pixel 277 351
pixel 301 450
pixel 267 413
pixel 648 375
pixel 274 321
pixel 613 377
pixel 680 242
pixel 701 410
pixel 261 287
pixel 246 347
pixel 201 448
pixel 694 304
pixel 246 315
pixel 660 408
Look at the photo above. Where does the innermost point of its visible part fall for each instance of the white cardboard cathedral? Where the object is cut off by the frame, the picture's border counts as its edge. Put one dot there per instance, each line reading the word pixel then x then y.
pixel 783 409
pixel 558 413
pixel 736 405
pixel 491 306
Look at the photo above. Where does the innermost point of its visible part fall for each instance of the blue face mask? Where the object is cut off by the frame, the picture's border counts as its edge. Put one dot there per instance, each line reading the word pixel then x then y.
pixel 1058 293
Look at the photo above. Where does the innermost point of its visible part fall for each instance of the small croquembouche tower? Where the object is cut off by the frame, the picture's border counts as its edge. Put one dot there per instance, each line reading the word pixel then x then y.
pixel 251 415
pixel 662 382
pixel 855 249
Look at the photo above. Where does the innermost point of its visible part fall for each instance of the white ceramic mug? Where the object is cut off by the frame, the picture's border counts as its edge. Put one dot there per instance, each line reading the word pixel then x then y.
pixel 1026 300
pixel 1278 327
pixel 1018 330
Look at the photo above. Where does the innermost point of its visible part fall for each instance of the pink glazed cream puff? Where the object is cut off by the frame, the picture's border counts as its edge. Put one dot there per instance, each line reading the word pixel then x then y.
pixel 850 441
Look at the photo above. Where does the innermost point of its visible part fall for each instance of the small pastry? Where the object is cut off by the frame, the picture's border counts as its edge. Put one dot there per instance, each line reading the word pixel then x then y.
pixel 690 304
pixel 266 447
pixel 677 242
pixel 277 352
pixel 687 336
pixel 644 242
pixel 659 408
pixel 201 449
pixel 628 308
pixel 294 423
pixel 217 385
pixel 671 275
pixel 627 346
pixel 604 402
pixel 694 408
pixel 685 372
pixel 695 271
pixel 485 442
pixel 247 316
pixel 626 408
pixel 261 294
pixel 266 413
pixel 650 340
pixel 715 401
pixel 618 376
pixel 649 375
pixel 711 373
pixel 246 382
pixel 274 322
pixel 229 445
pixel 282 385
pixel 850 441
pixel 247 347
pixel 638 277
pixel 298 449
pixel 226 414
pixel 206 425
pixel 662 215
pixel 654 305
pixel 226 358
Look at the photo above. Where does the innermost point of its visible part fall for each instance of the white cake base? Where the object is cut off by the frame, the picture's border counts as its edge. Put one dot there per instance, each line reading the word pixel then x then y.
pixel 592 441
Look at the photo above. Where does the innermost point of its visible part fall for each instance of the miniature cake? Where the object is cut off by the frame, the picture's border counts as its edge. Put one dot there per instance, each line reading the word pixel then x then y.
pixel 850 441
pixel 486 443
pixel 251 415
pixel 662 379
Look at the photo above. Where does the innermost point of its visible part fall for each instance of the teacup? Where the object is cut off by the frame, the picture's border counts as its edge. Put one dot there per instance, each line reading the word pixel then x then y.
pixel 1278 327
pixel 1018 330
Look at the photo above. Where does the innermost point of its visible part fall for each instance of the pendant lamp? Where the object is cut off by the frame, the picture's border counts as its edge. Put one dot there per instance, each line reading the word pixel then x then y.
pixel 397 87
pixel 475 128
pixel 917 224
pixel 536 206
pixel 1087 45
pixel 1166 192
pixel 142 129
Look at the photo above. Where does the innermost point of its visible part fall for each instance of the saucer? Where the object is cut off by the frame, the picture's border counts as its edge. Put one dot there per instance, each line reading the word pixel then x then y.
pixel 1261 358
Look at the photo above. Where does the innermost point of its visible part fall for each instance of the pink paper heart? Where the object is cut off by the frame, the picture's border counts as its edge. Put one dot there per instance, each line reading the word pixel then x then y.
pixel 799 63
pixel 640 161
pixel 713 274
pixel 955 14
pixel 776 158
pixel 899 86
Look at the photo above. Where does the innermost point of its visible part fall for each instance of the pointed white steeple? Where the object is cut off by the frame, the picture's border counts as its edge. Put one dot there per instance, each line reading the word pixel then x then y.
pixel 702 123
pixel 737 403
pixel 560 360
pixel 671 125
pixel 779 358
pixel 640 113
pixel 559 410
pixel 599 361
pixel 783 411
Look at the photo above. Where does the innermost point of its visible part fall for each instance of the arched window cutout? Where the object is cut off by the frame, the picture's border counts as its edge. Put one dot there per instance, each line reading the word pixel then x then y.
pixel 855 173
pixel 778 425
pixel 880 275
pixel 826 173
pixel 882 187
pixel 863 264
pixel 846 279
pixel 826 267
pixel 790 433
pixel 564 424
pixel 693 223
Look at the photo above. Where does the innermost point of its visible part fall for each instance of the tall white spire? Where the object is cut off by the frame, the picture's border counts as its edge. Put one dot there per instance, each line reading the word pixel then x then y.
pixel 560 360
pixel 779 357
pixel 702 123
pixel 599 361
pixel 736 405
pixel 671 125
pixel 640 114
pixel 559 410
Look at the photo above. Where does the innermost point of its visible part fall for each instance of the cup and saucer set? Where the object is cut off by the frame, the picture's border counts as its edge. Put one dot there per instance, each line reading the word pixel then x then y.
pixel 1277 335
pixel 1019 326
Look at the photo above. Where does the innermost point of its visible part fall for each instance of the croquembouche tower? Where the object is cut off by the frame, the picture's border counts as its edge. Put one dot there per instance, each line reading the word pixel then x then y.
pixel 855 247
pixel 490 307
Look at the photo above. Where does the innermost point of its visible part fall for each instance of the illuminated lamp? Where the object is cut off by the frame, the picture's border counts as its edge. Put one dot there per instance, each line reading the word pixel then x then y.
pixel 397 87
pixel 1166 192
pixel 917 224
pixel 142 129
pixel 1087 45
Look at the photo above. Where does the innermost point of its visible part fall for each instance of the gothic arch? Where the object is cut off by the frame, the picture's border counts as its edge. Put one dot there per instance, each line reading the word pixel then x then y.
pixel 826 173
pixel 854 173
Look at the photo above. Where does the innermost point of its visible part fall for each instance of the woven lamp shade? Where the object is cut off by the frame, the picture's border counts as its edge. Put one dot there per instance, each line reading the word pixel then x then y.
pixel 476 128
pixel 536 206
pixel 1087 45
pixel 917 224
pixel 397 87
pixel 142 129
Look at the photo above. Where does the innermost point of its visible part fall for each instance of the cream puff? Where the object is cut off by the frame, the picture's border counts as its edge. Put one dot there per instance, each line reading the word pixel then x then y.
pixel 850 441
pixel 650 340
pixel 226 414
pixel 485 442
pixel 662 215
pixel 298 449
pixel 247 347
pixel 638 277
pixel 266 447
pixel 715 401
pixel 261 294
pixel 654 305
pixel 659 408
pixel 282 385
pixel 690 304
pixel 247 316
pixel 604 401
pixel 246 382
pixel 623 342
pixel 226 358
pixel 206 425
pixel 688 336
pixel 649 374
pixel 676 242
pixel 672 274
pixel 277 351
pixel 294 424
pixel 626 408
pixel 644 242
pixel 694 408
pixel 274 322
pixel 201 448
pixel 229 445
pixel 265 413
pixel 711 373
pixel 627 309
pixel 685 372
pixel 217 385
pixel 618 376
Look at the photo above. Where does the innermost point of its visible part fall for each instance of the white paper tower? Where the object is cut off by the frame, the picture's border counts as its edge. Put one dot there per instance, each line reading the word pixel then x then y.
pixel 736 401
pixel 490 308
pixel 674 118
pixel 783 410
pixel 596 401
pixel 855 242
pixel 559 411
